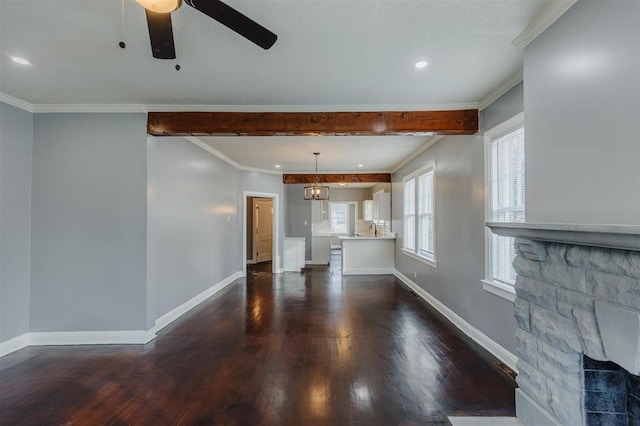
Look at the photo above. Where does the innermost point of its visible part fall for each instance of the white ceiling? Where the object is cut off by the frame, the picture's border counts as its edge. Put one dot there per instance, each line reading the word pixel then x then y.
pixel 330 55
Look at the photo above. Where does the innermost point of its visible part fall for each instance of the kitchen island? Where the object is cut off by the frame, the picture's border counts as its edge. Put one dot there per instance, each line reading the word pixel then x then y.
pixel 368 254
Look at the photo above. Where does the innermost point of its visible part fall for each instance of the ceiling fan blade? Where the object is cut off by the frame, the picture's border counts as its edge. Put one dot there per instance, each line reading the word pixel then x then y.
pixel 236 21
pixel 161 35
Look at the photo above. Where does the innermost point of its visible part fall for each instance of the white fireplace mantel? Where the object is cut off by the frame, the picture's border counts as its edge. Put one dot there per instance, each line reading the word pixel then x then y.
pixel 625 237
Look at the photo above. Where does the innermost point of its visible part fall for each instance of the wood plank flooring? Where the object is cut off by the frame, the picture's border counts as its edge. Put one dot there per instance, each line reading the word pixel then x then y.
pixel 290 349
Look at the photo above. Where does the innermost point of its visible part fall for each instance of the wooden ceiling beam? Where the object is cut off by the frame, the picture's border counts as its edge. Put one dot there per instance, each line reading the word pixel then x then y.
pixel 337 178
pixel 387 123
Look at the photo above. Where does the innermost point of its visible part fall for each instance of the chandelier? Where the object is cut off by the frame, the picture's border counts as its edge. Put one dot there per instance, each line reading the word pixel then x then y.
pixel 316 191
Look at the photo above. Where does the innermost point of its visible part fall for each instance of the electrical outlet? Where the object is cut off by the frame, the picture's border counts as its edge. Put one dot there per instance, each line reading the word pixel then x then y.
pixel 415 274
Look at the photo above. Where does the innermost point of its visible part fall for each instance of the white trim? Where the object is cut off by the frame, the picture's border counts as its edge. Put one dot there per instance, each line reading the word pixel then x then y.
pixel 211 150
pixel 251 262
pixel 428 144
pixel 479 337
pixel 419 258
pixel 430 166
pixel 543 21
pixel 368 271
pixel 505 291
pixel 504 127
pixel 18 103
pixel 275 263
pixel 143 108
pixel 89 108
pixel 498 289
pixel 123 337
pixel 500 90
pixel 174 314
pixel 279 271
pixel 313 108
pixel 14 344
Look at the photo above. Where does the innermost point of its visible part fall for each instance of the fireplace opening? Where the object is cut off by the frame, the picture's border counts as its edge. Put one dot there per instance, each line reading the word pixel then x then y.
pixel 612 394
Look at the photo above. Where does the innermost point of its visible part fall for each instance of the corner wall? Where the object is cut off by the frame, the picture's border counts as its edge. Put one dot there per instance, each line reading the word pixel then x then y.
pixel 194 222
pixel 460 229
pixel 16 145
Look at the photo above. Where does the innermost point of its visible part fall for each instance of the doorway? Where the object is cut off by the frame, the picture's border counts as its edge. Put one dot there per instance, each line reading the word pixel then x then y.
pixel 261 229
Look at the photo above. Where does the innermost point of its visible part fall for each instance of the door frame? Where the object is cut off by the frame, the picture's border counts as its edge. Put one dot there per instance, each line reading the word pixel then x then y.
pixel 275 227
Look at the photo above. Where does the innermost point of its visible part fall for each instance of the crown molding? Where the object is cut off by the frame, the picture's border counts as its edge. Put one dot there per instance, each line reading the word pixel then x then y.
pixel 544 20
pixel 142 108
pixel 88 108
pixel 18 103
pixel 428 144
pixel 310 108
pixel 199 143
pixel 503 88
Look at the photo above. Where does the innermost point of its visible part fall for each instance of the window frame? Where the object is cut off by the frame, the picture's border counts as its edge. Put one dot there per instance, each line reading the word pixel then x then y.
pixel 499 288
pixel 430 167
pixel 330 215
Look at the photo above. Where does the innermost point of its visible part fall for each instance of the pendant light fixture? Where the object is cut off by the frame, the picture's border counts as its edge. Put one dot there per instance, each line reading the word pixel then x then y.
pixel 316 191
pixel 160 6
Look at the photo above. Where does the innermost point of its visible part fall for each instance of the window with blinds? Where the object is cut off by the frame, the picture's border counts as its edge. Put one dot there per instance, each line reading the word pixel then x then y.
pixel 409 192
pixel 339 215
pixel 507 198
pixel 419 223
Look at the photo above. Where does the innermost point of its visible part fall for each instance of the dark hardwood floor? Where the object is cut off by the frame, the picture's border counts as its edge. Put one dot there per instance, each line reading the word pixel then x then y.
pixel 291 349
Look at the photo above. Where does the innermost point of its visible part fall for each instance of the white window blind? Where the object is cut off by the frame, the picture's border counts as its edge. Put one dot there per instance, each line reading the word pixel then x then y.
pixel 409 191
pixel 339 213
pixel 425 214
pixel 507 199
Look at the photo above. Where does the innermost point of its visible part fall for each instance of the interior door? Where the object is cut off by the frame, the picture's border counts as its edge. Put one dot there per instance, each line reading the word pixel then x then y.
pixel 262 220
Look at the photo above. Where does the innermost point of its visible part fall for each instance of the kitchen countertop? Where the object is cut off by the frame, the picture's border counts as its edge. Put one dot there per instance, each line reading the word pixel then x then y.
pixel 369 237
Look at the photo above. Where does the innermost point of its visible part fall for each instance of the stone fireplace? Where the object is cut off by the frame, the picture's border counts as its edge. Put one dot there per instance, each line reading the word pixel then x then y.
pixel 577 303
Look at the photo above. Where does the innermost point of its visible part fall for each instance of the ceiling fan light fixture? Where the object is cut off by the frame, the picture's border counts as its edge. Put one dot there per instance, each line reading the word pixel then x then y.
pixel 316 191
pixel 160 6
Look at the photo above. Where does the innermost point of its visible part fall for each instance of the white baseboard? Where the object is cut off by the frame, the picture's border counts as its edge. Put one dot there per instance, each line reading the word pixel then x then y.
pixel 368 271
pixel 174 314
pixel 14 344
pixel 124 337
pixel 479 337
pixel 251 262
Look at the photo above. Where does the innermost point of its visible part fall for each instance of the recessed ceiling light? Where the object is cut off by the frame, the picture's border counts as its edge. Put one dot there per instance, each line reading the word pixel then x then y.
pixel 360 166
pixel 20 61
pixel 277 166
pixel 421 64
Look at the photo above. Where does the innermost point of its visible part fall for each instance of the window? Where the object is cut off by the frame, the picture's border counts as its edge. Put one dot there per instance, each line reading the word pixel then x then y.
pixel 505 201
pixel 419 215
pixel 339 215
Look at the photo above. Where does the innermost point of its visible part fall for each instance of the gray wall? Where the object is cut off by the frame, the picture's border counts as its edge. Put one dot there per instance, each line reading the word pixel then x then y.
pixel 460 230
pixel 269 183
pixel 193 221
pixel 582 120
pixel 16 144
pixel 299 211
pixel 88 242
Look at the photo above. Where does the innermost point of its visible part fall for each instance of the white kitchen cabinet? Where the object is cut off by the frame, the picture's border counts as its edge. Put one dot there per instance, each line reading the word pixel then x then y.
pixel 382 206
pixel 293 254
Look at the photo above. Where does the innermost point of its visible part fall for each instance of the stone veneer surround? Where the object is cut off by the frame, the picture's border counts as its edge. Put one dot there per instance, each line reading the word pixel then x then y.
pixel 558 287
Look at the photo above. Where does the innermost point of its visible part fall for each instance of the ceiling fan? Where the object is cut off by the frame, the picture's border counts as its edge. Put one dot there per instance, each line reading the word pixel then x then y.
pixel 161 32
